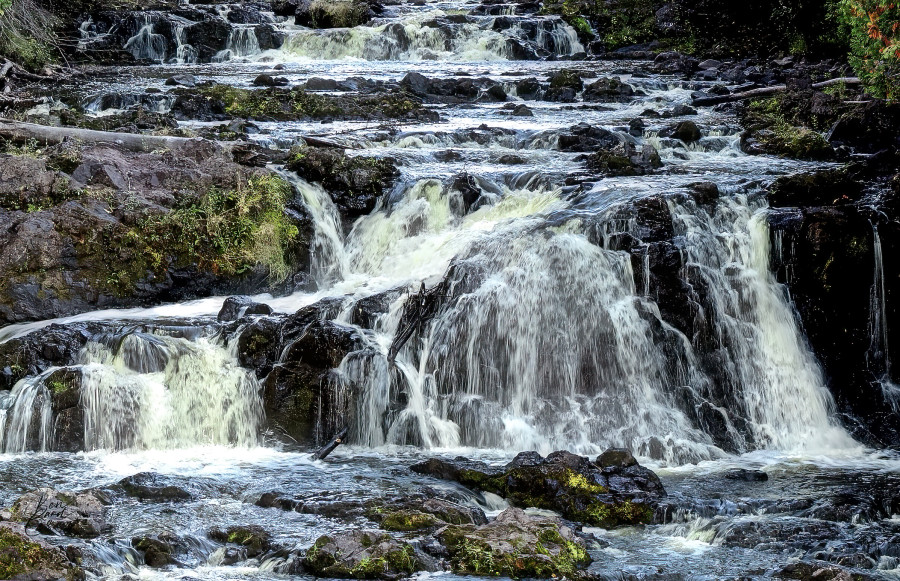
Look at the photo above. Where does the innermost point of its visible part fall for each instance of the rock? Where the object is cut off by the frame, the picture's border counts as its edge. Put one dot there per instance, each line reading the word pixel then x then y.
pixel 241 306
pixel 53 346
pixel 320 84
pixel 569 484
pixel 153 487
pixel 496 93
pixel 362 555
pixel 23 556
pixel 515 545
pixel 819 572
pixel 686 131
pixel 625 160
pixel 354 183
pixel 65 393
pixel 709 64
pixel 265 80
pixel 522 111
pixel 746 475
pixel 636 127
pixel 301 400
pixel 182 81
pixel 564 86
pixel 822 188
pixel 415 514
pixel 157 551
pixel 587 138
pixel 74 514
pixel 608 90
pixel 254 539
pixel 616 458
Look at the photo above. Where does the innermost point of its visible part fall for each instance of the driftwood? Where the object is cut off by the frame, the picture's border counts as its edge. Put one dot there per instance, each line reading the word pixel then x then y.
pixel 19 132
pixel 766 91
pixel 328 448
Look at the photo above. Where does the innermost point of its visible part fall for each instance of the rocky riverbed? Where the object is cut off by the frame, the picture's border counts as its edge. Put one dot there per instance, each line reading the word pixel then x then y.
pixel 584 311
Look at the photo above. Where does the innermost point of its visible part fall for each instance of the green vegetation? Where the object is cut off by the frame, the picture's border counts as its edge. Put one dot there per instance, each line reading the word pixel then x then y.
pixel 781 130
pixel 338 13
pixel 875 44
pixel 408 520
pixel 226 231
pixel 291 104
pixel 618 22
pixel 549 556
pixel 21 557
pixel 26 33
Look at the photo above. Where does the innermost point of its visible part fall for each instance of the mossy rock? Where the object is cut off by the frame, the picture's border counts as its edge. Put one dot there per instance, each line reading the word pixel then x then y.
pixel 566 483
pixel 255 539
pixel 361 555
pixel 25 557
pixel 515 545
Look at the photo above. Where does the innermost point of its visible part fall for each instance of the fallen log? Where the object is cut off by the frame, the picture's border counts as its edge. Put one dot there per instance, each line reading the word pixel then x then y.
pixel 328 448
pixel 20 132
pixel 767 91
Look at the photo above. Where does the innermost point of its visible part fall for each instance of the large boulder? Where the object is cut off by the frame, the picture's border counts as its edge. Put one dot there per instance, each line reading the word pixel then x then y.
pixel 74 514
pixel 615 495
pixel 360 554
pixel 354 182
pixel 23 556
pixel 515 545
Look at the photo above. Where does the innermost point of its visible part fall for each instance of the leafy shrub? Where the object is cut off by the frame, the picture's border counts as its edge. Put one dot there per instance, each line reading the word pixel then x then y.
pixel 875 44
pixel 26 32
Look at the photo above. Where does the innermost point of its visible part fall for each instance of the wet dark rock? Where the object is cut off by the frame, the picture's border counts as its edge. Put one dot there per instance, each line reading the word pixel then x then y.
pixel 362 555
pixel 616 458
pixel 26 556
pixel 255 540
pixel 587 138
pixel 153 487
pixel 823 188
pixel 265 80
pixel 53 346
pixel 608 90
pixel 65 393
pixel 298 353
pixel 515 545
pixel 528 89
pixel 74 514
pixel 319 84
pixel 778 534
pixel 819 572
pixel 746 475
pixel 367 310
pixel 580 490
pixel 522 111
pixel 182 81
pixel 686 131
pixel 354 182
pixel 564 86
pixel 636 127
pixel 158 551
pixel 416 514
pixel 625 160
pixel 241 306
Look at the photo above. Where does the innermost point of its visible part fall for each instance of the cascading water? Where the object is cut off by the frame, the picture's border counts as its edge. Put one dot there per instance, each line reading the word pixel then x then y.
pixel 428 36
pixel 26 417
pixel 879 354
pixel 147 45
pixel 242 42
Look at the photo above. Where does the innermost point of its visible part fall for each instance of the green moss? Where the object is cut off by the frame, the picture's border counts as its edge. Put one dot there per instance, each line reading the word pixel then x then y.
pixel 614 514
pixel 226 232
pixel 338 13
pixel 407 521
pixel 402 559
pixel 780 133
pixel 19 556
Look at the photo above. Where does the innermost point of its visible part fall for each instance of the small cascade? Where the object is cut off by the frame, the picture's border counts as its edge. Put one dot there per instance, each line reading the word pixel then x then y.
pixel 152 391
pixel 327 252
pixel 425 36
pixel 879 358
pixel 146 45
pixel 184 52
pixel 242 42
pixel 26 416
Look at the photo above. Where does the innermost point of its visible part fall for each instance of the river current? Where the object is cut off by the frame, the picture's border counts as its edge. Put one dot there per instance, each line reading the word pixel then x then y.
pixel 547 343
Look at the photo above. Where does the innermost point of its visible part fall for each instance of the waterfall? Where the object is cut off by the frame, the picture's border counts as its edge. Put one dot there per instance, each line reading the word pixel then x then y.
pixel 879 357
pixel 145 45
pixel 152 391
pixel 327 252
pixel 26 416
pixel 184 52
pixel 418 39
pixel 544 342
pixel 242 42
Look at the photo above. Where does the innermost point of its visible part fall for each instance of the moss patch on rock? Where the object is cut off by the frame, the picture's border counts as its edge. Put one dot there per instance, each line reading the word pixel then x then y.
pixel 361 555
pixel 24 557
